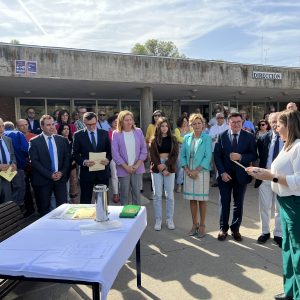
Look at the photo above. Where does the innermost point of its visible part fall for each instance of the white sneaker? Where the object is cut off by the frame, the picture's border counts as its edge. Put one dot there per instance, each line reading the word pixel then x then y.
pixel 157 225
pixel 170 224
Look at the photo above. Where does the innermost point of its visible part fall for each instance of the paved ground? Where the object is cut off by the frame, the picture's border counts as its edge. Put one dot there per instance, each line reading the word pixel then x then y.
pixel 175 265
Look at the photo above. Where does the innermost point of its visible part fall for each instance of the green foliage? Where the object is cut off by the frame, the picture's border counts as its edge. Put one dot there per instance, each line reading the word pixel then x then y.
pixel 15 42
pixel 157 48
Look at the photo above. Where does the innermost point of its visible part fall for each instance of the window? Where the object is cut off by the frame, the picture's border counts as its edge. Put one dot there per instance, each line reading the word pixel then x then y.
pixel 37 104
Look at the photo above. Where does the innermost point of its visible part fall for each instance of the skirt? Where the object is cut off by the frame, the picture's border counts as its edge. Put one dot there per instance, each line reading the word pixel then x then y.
pixel 197 189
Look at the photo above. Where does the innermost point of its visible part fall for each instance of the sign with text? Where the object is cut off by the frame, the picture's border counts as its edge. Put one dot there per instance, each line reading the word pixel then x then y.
pixel 266 75
pixel 20 66
pixel 31 67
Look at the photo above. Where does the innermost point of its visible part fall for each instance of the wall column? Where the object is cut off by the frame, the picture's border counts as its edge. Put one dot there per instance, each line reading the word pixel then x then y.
pixel 146 107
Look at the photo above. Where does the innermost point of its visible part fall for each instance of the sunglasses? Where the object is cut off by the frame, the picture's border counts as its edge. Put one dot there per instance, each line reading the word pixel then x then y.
pixel 157 115
pixel 102 115
pixel 262 124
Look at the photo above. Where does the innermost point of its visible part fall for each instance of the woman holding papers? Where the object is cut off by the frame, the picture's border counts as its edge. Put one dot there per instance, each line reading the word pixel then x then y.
pixel 285 182
pixel 163 157
pixel 195 159
pixel 129 151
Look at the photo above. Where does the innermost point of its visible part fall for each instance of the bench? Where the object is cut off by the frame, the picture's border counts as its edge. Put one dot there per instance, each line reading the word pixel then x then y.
pixel 11 221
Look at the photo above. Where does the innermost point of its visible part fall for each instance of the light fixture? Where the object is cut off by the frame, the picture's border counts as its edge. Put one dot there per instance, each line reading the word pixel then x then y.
pixel 193 97
pixel 284 93
pixel 194 90
pixel 242 92
pixel 92 94
pixel 27 92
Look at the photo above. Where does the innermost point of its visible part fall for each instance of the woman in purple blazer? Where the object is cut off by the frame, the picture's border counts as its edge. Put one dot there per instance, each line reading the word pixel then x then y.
pixel 129 151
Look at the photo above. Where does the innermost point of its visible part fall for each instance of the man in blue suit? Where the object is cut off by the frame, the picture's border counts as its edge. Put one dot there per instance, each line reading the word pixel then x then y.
pixel 50 159
pixel 33 124
pixel 238 145
pixel 268 146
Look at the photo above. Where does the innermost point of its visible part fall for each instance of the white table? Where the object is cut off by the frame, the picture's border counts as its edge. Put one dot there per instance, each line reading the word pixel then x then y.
pixel 57 250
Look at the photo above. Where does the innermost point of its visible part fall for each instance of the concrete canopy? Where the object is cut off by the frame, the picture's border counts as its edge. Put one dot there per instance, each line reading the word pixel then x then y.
pixel 71 73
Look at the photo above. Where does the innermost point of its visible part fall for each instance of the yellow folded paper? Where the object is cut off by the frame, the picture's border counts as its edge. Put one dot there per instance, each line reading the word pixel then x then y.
pixel 9 174
pixel 85 213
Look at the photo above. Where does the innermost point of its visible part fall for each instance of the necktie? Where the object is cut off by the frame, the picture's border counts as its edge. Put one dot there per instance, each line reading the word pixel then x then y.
pixel 51 152
pixel 4 160
pixel 276 148
pixel 93 140
pixel 234 143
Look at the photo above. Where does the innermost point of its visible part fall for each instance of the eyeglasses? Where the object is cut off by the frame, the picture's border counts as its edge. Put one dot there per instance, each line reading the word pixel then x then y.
pixel 220 117
pixel 262 124
pixel 156 115
pixel 101 115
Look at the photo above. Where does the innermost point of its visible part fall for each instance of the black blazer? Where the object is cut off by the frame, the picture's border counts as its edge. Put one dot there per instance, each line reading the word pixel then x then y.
pixel 263 144
pixel 41 161
pixel 80 152
pixel 246 147
pixel 36 129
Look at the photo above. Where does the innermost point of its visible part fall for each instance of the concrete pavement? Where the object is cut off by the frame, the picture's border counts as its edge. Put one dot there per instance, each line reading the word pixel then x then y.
pixel 175 265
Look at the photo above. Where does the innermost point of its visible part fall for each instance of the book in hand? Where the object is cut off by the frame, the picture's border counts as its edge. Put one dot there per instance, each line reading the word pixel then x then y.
pixel 130 211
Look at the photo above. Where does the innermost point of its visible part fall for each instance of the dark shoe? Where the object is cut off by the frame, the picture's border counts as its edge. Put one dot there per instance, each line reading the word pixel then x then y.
pixel 214 185
pixel 237 236
pixel 278 241
pixel 222 235
pixel 282 297
pixel 263 238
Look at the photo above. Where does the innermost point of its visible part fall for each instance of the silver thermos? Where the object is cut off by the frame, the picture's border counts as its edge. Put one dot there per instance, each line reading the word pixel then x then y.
pixel 100 198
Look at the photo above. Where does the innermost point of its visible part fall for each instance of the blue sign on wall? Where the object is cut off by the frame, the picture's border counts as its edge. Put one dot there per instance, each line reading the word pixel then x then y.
pixel 32 67
pixel 20 67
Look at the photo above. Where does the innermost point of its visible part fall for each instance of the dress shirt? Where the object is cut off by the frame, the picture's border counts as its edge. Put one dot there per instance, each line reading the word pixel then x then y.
pixel 215 130
pixel 103 125
pixel 54 149
pixel 231 135
pixel 271 149
pixel 287 163
pixel 7 154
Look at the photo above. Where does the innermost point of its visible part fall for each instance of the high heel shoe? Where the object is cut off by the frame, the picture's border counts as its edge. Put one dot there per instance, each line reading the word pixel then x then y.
pixel 194 230
pixel 201 231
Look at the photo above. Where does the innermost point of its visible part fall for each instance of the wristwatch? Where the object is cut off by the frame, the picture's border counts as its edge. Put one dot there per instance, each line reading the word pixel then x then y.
pixel 275 179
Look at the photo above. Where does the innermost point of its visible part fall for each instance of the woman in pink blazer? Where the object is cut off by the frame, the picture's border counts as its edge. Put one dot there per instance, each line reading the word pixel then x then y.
pixel 129 151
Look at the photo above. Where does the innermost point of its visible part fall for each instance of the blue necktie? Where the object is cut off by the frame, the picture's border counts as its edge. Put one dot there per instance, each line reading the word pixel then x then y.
pixel 93 140
pixel 51 152
pixel 4 160
pixel 276 148
pixel 234 143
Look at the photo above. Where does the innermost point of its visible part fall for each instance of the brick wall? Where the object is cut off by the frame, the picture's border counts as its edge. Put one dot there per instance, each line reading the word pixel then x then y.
pixel 7 109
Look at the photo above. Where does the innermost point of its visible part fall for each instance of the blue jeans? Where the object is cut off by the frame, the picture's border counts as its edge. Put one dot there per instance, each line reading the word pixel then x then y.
pixel 158 182
pixel 179 170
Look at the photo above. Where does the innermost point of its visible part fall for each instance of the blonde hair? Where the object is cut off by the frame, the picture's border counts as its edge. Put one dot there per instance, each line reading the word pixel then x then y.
pixel 121 116
pixel 291 120
pixel 193 117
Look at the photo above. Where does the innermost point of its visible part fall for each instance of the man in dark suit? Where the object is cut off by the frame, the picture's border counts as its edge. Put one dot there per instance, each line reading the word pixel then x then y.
pixel 238 145
pixel 89 140
pixel 33 124
pixel 7 159
pixel 268 147
pixel 50 158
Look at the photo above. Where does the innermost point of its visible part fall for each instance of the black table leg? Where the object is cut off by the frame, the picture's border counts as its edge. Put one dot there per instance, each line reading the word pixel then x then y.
pixel 96 291
pixel 138 264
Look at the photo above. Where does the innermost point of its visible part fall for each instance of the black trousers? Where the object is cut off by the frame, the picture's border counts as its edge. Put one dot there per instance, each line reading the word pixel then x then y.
pixel 86 188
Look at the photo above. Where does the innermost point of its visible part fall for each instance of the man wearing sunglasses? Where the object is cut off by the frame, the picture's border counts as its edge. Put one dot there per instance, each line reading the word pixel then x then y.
pixel 268 147
pixel 102 122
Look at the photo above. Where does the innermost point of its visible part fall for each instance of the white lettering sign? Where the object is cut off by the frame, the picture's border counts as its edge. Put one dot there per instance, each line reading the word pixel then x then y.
pixel 267 75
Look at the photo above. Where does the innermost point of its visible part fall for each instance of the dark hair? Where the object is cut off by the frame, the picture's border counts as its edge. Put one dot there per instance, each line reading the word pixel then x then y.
pixel 54 113
pixel 30 107
pixel 264 121
pixel 62 112
pixel 180 121
pixel 157 134
pixel 61 128
pixel 154 113
pixel 234 115
pixel 89 116
pixel 111 119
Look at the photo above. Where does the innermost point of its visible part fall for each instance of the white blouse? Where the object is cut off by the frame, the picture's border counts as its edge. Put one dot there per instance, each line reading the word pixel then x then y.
pixel 130 147
pixel 287 163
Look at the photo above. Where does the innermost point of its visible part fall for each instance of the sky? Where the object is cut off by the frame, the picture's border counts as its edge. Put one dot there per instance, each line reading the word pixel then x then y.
pixel 251 31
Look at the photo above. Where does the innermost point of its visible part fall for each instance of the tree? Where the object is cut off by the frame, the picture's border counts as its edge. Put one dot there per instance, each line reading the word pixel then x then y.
pixel 15 42
pixel 157 48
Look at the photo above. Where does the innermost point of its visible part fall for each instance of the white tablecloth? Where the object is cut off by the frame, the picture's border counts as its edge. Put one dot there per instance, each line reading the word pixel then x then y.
pixel 56 248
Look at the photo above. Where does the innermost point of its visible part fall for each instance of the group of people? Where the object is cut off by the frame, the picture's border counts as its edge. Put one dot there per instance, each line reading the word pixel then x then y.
pixel 50 154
